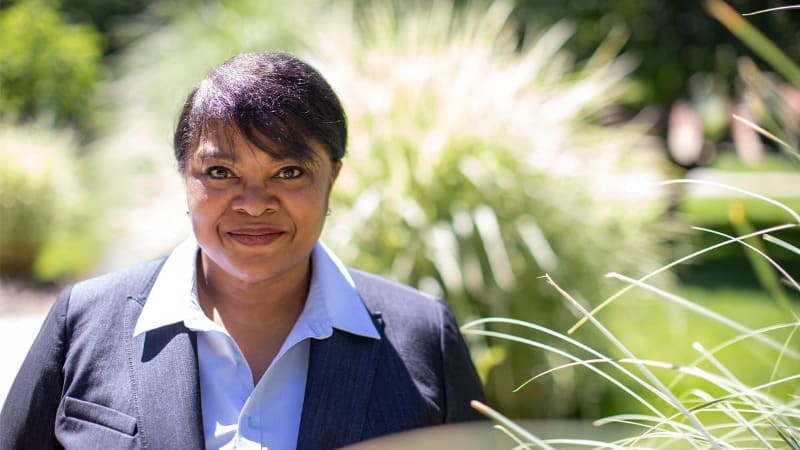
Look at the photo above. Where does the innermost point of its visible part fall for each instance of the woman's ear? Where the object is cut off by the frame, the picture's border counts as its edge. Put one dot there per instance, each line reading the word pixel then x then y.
pixel 337 166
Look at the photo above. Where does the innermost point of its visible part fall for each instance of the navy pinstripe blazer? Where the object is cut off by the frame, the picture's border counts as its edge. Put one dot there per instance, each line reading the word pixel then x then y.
pixel 87 383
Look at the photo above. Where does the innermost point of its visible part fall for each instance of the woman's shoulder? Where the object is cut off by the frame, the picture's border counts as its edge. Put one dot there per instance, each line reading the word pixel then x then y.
pixel 396 299
pixel 97 303
pixel 134 281
pixel 385 289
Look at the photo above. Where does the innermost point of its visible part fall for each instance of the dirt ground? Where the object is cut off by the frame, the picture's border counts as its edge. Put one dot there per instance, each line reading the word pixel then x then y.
pixel 22 297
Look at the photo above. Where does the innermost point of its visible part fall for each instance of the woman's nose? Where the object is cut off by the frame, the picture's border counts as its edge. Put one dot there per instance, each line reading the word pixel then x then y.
pixel 255 201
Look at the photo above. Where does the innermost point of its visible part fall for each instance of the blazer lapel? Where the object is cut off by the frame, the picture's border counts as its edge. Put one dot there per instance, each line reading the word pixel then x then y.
pixel 165 383
pixel 341 370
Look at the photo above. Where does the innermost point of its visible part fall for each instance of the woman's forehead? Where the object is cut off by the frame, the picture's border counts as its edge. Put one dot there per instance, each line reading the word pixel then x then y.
pixel 226 142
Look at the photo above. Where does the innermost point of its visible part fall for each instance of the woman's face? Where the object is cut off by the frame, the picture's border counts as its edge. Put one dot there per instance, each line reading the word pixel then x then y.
pixel 256 218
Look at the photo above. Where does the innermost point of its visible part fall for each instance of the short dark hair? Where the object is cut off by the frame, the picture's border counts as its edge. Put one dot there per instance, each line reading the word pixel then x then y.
pixel 274 100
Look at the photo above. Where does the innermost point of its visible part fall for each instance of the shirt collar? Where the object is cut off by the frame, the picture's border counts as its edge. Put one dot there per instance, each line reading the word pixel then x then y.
pixel 332 302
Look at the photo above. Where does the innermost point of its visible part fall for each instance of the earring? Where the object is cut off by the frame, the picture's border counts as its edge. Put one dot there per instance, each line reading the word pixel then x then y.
pixel 328 212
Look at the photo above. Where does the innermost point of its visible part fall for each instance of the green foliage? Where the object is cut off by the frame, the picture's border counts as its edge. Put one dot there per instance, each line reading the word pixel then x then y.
pixel 201 34
pixel 49 67
pixel 105 15
pixel 721 383
pixel 476 166
pixel 26 208
pixel 740 389
pixel 728 378
pixel 43 205
pixel 675 41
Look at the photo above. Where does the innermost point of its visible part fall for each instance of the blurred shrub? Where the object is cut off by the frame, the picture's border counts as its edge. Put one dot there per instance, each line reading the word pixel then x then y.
pixel 737 386
pixel 476 166
pixel 107 16
pixel 27 205
pixel 698 47
pixel 43 209
pixel 694 70
pixel 49 67
pixel 765 116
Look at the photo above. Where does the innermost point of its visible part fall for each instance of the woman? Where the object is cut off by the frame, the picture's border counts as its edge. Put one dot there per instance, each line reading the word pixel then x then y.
pixel 251 333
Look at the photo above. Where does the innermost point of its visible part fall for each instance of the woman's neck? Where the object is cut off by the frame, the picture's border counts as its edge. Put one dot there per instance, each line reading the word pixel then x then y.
pixel 258 316
pixel 257 300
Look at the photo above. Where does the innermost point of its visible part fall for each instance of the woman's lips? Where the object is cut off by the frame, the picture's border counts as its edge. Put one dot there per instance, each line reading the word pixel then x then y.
pixel 255 237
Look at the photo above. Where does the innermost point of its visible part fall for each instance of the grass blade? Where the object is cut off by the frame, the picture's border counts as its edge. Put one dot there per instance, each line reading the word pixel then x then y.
pixel 733 413
pixel 591 367
pixel 771 201
pixel 674 263
pixel 750 35
pixel 779 8
pixel 782 243
pixel 674 401
pixel 705 312
pixel 762 131
pixel 781 297
pixel 788 436
pixel 508 424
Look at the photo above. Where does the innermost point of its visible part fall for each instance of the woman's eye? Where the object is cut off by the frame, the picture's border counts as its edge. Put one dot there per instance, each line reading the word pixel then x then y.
pixel 219 172
pixel 289 173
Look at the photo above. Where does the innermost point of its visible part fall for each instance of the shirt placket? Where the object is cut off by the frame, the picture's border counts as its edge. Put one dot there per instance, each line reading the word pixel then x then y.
pixel 248 435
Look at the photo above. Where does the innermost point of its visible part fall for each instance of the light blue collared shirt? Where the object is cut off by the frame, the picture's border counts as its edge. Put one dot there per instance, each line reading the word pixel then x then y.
pixel 236 413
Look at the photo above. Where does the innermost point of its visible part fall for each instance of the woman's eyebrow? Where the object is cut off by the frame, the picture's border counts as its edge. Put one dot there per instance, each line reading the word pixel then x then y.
pixel 215 153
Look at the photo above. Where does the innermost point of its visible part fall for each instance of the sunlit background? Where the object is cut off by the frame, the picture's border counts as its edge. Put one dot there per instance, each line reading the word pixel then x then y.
pixel 491 143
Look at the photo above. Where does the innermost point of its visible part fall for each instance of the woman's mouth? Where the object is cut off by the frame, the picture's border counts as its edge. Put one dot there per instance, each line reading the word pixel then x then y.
pixel 255 237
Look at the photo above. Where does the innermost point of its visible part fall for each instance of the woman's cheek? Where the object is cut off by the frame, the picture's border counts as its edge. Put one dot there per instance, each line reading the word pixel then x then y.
pixel 200 194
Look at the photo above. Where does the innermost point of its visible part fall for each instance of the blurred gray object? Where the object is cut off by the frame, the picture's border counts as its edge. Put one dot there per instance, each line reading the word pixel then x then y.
pixel 484 436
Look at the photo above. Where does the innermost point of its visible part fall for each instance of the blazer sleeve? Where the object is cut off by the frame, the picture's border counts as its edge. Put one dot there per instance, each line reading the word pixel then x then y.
pixel 27 420
pixel 461 381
